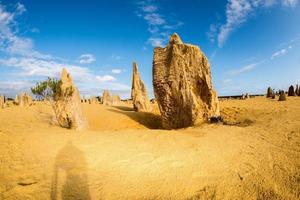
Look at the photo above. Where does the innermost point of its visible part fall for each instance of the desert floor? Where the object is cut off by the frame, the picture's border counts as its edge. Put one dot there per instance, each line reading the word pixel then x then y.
pixel 126 155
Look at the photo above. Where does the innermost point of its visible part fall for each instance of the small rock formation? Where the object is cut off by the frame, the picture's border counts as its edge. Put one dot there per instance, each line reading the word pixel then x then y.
pixel 106 99
pixel 93 100
pixel 282 96
pixel 109 100
pixel 247 96
pixel 141 102
pixel 67 105
pixel 2 101
pixel 182 85
pixel 23 99
pixel 115 100
pixel 269 92
pixel 291 91
pixel 297 90
pixel 243 97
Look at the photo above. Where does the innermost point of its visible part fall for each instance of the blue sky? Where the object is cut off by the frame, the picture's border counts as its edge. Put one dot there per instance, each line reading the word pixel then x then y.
pixel 250 44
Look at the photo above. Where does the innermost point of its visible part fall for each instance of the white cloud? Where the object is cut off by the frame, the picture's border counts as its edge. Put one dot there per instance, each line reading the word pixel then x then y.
pixel 20 8
pixel 154 19
pixel 87 58
pixel 31 65
pixel 281 52
pixel 156 42
pixel 116 71
pixel 246 68
pixel 237 13
pixel 105 78
pixel 291 3
pixel 159 26
pixel 149 8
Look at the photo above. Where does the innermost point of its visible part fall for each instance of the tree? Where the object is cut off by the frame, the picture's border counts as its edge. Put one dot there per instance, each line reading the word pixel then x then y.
pixel 51 91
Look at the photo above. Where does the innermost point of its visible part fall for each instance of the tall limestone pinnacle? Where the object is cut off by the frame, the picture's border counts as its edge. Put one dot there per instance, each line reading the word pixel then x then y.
pixel 67 105
pixel 141 102
pixel 182 85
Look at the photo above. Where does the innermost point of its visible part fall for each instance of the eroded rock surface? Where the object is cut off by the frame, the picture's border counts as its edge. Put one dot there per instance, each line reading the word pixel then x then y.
pixel 67 105
pixel 182 85
pixel 141 102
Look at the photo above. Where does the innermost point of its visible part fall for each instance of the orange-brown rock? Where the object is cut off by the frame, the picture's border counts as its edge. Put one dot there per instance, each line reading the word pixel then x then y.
pixel 141 102
pixel 67 105
pixel 182 85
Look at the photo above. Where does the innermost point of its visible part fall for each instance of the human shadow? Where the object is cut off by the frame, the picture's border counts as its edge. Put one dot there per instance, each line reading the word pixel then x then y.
pixel 149 120
pixel 75 186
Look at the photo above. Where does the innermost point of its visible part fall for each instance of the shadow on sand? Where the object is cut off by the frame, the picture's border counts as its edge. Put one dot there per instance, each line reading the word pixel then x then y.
pixel 70 161
pixel 149 120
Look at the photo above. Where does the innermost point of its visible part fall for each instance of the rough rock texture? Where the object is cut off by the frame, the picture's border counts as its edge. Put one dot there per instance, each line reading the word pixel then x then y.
pixel 291 91
pixel 2 101
pixel 110 100
pixel 269 92
pixel 182 85
pixel 106 99
pixel 67 105
pixel 141 102
pixel 23 99
pixel 282 96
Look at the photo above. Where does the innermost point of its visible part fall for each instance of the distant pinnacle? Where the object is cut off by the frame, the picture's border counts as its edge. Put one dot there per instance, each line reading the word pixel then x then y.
pixel 175 39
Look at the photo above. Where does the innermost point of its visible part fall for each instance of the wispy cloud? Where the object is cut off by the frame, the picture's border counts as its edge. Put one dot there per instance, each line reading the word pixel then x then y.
pixel 87 58
pixel 105 78
pixel 31 65
pixel 159 26
pixel 115 57
pixel 237 13
pixel 281 52
pixel 116 71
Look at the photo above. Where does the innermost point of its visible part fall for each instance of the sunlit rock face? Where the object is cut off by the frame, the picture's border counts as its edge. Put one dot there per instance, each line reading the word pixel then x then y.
pixel 23 99
pixel 67 105
pixel 141 102
pixel 2 101
pixel 182 85
pixel 106 99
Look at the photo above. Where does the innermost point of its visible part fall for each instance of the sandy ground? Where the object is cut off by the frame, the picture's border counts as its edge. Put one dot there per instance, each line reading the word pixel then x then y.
pixel 125 155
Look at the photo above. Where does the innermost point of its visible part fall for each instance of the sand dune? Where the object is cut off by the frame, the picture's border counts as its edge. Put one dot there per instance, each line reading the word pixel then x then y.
pixel 126 155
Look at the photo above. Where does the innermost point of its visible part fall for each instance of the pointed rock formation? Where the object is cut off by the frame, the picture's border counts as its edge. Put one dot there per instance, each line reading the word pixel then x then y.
pixel 291 91
pixel 141 102
pixel 282 96
pixel 2 101
pixel 23 99
pixel 106 99
pixel 67 105
pixel 182 85
pixel 297 90
pixel 269 92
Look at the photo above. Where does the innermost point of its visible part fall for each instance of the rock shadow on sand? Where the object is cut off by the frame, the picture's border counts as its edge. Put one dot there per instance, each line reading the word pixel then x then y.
pixel 70 179
pixel 149 120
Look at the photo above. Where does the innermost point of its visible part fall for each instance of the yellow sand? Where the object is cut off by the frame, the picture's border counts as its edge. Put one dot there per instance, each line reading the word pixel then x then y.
pixel 125 155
